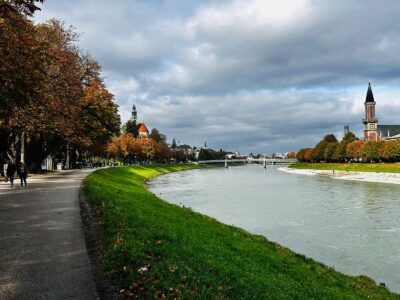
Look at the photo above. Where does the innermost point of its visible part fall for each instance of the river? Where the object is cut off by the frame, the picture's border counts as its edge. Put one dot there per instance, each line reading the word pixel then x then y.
pixel 351 226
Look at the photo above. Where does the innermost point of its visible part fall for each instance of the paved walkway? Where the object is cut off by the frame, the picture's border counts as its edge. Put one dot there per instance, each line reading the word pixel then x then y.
pixel 42 246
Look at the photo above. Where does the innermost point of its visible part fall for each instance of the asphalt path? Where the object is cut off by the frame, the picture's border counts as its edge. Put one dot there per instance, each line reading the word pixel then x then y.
pixel 42 245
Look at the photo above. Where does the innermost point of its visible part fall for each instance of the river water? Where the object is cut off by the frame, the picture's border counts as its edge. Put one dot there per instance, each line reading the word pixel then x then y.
pixel 351 226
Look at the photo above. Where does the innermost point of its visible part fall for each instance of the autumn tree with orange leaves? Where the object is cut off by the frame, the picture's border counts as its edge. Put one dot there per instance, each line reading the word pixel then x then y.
pixel 129 149
pixel 51 95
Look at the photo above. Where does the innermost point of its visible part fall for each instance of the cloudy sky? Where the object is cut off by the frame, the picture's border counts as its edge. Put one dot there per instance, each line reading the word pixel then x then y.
pixel 255 75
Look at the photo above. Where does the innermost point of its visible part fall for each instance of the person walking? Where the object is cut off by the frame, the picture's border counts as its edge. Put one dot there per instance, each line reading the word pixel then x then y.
pixel 23 173
pixel 11 168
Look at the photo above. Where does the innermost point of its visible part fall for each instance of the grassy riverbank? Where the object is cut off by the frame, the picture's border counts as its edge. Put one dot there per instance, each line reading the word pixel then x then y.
pixel 356 167
pixel 155 249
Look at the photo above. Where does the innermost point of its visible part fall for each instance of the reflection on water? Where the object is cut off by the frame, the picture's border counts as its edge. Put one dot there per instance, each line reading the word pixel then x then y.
pixel 351 226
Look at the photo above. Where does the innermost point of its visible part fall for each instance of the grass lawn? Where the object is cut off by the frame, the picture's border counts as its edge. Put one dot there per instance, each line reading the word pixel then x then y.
pixel 156 249
pixel 357 167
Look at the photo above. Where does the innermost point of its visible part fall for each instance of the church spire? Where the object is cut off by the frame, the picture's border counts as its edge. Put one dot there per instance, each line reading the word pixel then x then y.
pixel 134 112
pixel 370 96
pixel 370 121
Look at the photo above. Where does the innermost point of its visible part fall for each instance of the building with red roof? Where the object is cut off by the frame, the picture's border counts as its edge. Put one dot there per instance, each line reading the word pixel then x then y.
pixel 143 131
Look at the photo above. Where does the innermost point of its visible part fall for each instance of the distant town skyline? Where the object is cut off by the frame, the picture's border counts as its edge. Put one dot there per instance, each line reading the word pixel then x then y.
pixel 254 76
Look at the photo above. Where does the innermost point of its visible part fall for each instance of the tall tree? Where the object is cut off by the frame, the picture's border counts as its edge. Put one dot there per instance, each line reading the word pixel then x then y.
pixel 330 138
pixel 26 7
pixel 330 151
pixel 353 150
pixel 370 151
pixel 340 154
pixel 99 115
pixel 131 127
pixel 319 151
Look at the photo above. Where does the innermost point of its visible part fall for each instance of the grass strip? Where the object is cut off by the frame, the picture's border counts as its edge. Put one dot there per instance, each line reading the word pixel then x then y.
pixel 355 167
pixel 156 249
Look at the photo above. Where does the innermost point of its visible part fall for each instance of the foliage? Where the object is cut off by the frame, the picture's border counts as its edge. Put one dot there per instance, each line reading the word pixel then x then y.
pixel 309 154
pixel 353 150
pixel 349 137
pixel 22 60
pixel 390 151
pixel 301 154
pixel 98 115
pixel 153 249
pixel 330 138
pixel 132 127
pixel 305 154
pixel 208 154
pixel 291 155
pixel 156 136
pixel 130 149
pixel 340 154
pixel 50 92
pixel 370 151
pixel 330 151
pixel 26 7
pixel 319 151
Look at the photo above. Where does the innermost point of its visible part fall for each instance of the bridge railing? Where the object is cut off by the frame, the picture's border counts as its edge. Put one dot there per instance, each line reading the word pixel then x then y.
pixel 259 160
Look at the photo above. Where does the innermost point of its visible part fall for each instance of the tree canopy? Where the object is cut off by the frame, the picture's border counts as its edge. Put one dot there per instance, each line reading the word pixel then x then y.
pixel 51 92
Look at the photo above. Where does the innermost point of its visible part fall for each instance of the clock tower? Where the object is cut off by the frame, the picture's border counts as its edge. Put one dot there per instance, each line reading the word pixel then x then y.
pixel 370 121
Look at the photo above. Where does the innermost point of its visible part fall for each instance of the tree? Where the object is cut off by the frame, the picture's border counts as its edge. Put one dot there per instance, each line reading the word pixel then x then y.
pixel 309 154
pixel 291 155
pixel 131 127
pixel 330 138
pixel 205 154
pixel 353 150
pixel 21 60
pixel 163 153
pixel 340 154
pixel 330 151
pixel 390 151
pixel 319 151
pixel 370 150
pixel 349 137
pixel 148 147
pixel 50 92
pixel 300 156
pixel 155 135
pixel 27 7
pixel 98 114
pixel 114 148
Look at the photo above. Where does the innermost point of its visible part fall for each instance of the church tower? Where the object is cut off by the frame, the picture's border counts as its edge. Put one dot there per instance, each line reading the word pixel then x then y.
pixel 370 122
pixel 134 113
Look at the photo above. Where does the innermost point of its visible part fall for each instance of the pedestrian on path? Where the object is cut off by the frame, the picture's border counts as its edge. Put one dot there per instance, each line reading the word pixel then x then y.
pixel 23 173
pixel 11 168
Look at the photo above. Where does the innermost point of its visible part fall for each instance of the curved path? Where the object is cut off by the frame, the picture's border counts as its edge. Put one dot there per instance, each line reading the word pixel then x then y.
pixel 42 246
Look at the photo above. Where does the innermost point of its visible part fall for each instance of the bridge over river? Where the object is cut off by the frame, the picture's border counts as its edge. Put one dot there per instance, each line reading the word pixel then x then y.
pixel 264 161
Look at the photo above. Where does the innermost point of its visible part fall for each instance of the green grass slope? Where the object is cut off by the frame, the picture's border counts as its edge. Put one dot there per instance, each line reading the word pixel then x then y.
pixel 156 249
pixel 356 167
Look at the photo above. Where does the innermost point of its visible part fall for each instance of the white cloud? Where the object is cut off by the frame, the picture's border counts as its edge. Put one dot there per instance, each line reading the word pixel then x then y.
pixel 257 75
pixel 124 87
